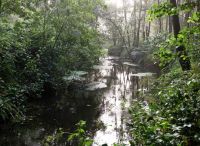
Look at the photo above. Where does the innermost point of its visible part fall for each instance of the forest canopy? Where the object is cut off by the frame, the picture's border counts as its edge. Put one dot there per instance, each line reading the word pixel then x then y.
pixel 47 48
pixel 40 42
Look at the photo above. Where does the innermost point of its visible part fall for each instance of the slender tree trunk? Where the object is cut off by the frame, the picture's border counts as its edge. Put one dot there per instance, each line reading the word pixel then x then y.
pixel 44 23
pixel 138 32
pixel 170 24
pixel 0 6
pixel 143 29
pixel 198 5
pixel 139 22
pixel 148 30
pixel 184 60
pixel 187 15
pixel 144 33
pixel 167 23
pixel 160 21
pixel 144 22
pixel 126 24
pixel 114 39
pixel 115 34
pixel 135 23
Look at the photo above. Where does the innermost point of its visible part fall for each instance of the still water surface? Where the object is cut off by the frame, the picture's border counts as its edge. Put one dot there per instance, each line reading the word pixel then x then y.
pixel 102 102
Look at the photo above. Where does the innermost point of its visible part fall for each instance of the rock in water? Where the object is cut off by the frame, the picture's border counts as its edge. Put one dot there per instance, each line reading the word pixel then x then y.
pixel 95 86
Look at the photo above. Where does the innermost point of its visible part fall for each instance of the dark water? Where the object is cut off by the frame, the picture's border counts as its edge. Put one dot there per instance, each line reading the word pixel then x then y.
pixel 102 102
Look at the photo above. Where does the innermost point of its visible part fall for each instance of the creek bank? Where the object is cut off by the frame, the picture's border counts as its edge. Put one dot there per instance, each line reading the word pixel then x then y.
pixel 137 56
pixel 102 100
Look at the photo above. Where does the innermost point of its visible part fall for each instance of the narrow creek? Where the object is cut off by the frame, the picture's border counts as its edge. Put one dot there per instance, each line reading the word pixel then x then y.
pixel 102 102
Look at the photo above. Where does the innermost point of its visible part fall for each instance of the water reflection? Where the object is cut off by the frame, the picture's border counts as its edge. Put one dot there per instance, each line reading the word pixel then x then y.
pixel 114 107
pixel 116 101
pixel 102 100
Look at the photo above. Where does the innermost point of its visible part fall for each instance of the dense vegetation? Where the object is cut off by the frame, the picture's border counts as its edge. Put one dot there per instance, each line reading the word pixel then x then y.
pixel 40 42
pixel 172 116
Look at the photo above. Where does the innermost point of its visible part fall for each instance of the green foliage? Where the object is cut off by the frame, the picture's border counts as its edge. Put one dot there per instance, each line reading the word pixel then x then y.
pixel 11 102
pixel 173 116
pixel 195 18
pixel 190 38
pixel 160 10
pixel 79 136
pixel 167 9
pixel 9 110
pixel 53 140
pixel 41 42
pixel 163 46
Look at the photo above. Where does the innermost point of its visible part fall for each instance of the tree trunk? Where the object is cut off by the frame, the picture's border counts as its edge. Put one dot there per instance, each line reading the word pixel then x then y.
pixel 198 5
pixel 144 28
pixel 139 23
pixel 0 6
pixel 160 21
pixel 186 16
pixel 148 30
pixel 114 40
pixel 126 31
pixel 135 23
pixel 167 23
pixel 181 50
pixel 144 21
pixel 170 24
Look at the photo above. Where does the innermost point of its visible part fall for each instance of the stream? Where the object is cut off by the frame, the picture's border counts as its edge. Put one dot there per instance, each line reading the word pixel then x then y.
pixel 102 101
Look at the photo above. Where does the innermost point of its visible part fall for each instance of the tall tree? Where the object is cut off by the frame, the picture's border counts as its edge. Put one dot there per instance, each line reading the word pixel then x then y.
pixel 184 60
pixel 139 25
pixel 134 23
pixel 126 33
pixel 159 21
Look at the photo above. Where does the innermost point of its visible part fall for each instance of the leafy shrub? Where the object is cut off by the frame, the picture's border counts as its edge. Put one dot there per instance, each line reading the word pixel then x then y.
pixel 11 102
pixel 40 45
pixel 173 118
pixel 9 110
pixel 55 139
pixel 79 136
